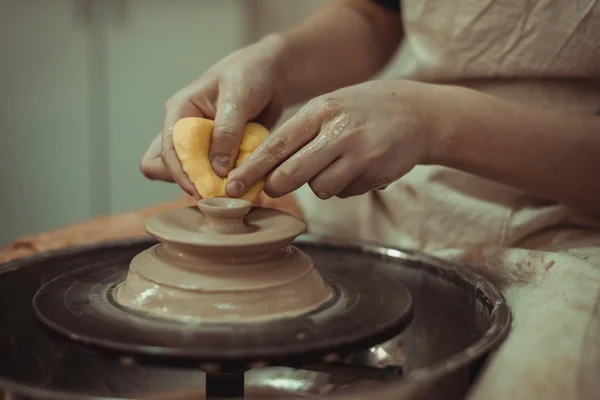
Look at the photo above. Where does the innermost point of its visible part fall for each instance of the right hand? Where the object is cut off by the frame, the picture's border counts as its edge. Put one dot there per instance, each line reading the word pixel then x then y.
pixel 246 86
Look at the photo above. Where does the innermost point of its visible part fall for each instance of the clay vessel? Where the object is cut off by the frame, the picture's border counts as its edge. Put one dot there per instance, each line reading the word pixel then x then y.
pixel 223 261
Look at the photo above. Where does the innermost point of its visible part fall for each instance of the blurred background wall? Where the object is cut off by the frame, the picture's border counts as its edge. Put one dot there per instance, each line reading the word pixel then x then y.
pixel 82 89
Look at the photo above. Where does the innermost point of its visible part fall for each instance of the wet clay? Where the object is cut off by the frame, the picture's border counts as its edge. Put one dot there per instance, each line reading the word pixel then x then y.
pixel 223 261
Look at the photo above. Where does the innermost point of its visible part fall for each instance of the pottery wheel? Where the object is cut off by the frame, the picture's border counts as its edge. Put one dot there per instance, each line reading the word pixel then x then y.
pixel 336 308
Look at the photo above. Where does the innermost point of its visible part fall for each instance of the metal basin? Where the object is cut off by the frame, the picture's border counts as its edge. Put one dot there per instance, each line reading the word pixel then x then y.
pixel 458 319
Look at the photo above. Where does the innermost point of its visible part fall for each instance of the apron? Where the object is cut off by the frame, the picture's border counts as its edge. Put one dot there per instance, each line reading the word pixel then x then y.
pixel 545 256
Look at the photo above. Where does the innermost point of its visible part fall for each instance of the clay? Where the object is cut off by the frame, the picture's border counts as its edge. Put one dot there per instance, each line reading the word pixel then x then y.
pixel 223 261
pixel 191 138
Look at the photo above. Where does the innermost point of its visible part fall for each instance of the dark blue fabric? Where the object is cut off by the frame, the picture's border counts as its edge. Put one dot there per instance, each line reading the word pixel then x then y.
pixel 389 4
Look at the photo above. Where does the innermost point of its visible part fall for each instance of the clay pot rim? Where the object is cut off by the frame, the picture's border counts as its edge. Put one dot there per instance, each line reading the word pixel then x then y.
pixel 283 230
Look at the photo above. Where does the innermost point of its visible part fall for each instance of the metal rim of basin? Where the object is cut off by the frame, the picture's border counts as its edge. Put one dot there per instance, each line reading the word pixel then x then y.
pixel 485 291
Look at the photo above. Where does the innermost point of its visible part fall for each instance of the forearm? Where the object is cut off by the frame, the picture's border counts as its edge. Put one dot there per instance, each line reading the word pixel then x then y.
pixel 341 44
pixel 553 155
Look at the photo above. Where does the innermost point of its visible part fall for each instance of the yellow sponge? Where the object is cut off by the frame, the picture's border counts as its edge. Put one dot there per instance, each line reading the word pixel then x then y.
pixel 192 136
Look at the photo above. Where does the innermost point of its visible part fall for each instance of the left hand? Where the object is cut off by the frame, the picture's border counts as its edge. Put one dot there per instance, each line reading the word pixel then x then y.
pixel 345 143
pixel 154 164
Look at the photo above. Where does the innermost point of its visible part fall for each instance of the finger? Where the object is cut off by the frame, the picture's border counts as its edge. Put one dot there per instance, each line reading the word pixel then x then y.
pixel 195 100
pixel 230 121
pixel 152 166
pixel 153 151
pixel 334 178
pixel 155 170
pixel 303 166
pixel 174 111
pixel 285 141
pixel 362 185
pixel 173 164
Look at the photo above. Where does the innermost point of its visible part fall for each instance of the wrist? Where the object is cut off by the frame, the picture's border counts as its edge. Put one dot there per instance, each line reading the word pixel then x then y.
pixel 428 110
pixel 443 108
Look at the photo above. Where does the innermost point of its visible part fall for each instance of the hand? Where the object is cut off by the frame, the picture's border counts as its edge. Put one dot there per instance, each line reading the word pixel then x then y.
pixel 245 86
pixel 345 143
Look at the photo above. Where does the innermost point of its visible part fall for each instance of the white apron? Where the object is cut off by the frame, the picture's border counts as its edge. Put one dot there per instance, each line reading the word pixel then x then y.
pixel 545 256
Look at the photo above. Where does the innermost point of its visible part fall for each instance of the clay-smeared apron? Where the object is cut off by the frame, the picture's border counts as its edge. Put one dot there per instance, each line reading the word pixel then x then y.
pixel 546 256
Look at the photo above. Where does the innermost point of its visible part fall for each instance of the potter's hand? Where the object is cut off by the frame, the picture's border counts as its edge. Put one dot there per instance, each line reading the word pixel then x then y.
pixel 345 143
pixel 242 87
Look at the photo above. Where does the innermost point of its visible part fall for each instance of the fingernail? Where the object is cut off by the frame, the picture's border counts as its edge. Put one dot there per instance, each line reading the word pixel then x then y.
pixel 221 164
pixel 234 188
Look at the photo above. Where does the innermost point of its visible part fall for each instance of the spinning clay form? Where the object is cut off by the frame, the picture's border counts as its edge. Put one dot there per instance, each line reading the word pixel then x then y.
pixel 192 137
pixel 223 261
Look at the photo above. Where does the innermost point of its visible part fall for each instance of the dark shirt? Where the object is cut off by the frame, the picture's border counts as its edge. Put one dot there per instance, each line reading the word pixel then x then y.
pixel 389 4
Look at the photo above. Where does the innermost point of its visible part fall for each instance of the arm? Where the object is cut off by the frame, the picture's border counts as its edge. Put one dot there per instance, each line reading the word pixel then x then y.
pixel 341 44
pixel 551 154
pixel 363 137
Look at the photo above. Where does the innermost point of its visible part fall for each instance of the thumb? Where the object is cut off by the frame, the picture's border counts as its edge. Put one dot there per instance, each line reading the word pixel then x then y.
pixel 230 122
